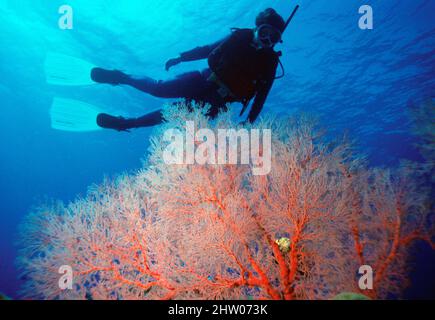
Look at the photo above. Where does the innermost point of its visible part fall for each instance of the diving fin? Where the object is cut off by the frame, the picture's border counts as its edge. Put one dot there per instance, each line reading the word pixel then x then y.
pixel 73 115
pixel 68 71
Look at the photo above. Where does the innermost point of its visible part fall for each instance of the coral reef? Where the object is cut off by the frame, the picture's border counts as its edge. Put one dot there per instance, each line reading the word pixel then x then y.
pixel 220 232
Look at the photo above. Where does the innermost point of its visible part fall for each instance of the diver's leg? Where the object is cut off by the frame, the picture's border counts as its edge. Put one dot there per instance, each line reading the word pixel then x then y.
pixel 122 124
pixel 149 120
pixel 114 77
pixel 187 85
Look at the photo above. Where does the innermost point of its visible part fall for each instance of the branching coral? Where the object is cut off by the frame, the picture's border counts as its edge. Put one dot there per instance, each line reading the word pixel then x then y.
pixel 219 232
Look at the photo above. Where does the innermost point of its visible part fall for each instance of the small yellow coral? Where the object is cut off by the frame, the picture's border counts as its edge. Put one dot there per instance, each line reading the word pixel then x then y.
pixel 283 244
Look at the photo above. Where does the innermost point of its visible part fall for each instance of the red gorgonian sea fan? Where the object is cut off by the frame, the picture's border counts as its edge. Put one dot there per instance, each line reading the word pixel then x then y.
pixel 220 232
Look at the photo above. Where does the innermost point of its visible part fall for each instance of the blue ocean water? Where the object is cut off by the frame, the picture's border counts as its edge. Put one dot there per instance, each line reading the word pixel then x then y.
pixel 360 81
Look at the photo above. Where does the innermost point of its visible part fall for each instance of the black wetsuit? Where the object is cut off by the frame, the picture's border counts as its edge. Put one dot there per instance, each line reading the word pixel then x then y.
pixel 198 87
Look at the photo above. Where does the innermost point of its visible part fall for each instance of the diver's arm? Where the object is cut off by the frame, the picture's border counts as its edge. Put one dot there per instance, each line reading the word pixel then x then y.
pixel 263 91
pixel 259 100
pixel 200 52
pixel 195 54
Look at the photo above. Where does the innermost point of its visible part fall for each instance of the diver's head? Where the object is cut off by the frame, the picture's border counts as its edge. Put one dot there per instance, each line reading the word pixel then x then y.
pixel 269 28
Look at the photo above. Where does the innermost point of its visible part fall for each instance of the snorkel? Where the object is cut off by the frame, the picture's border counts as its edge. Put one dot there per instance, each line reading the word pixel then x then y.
pixel 285 27
pixel 290 18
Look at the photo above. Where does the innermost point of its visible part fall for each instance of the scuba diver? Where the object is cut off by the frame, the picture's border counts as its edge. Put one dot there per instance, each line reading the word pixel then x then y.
pixel 242 67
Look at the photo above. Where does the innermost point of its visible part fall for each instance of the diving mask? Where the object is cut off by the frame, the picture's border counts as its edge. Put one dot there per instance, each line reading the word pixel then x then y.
pixel 268 35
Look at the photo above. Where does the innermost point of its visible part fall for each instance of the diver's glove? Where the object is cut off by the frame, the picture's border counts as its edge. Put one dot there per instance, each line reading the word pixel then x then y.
pixel 113 77
pixel 172 62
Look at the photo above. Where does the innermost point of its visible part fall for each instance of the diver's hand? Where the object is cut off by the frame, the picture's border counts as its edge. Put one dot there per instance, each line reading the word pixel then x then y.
pixel 172 62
